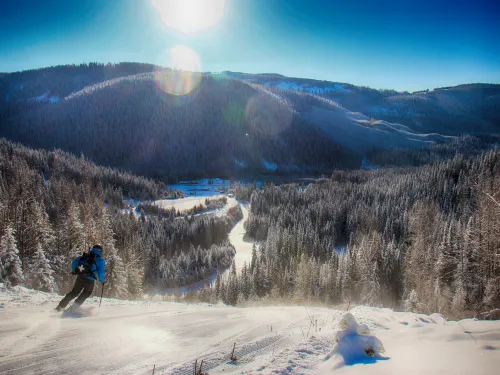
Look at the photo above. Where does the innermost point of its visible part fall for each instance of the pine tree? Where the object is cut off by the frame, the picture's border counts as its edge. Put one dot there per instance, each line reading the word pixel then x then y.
pixel 135 278
pixel 447 257
pixel 218 288
pixel 258 281
pixel 40 273
pixel 233 290
pixel 304 286
pixel 74 236
pixel 116 279
pixel 254 258
pixel 245 282
pixel 44 233
pixel 11 270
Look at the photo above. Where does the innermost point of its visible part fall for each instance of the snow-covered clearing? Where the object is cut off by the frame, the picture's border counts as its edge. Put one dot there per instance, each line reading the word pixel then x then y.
pixel 131 337
pixel 44 98
pixel 184 204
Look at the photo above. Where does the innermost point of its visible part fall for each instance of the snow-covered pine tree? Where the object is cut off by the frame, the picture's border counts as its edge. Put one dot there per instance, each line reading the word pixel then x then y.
pixel 74 241
pixel 44 234
pixel 11 267
pixel 116 284
pixel 233 291
pixel 258 280
pixel 41 275
pixel 304 287
pixel 473 280
pixel 254 258
pixel 218 288
pixel 245 282
pixel 135 277
pixel 411 303
pixel 116 277
pixel 447 258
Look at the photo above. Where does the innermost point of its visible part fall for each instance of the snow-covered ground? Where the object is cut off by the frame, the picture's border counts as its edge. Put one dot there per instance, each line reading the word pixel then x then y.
pixel 131 337
pixel 237 239
pixel 184 204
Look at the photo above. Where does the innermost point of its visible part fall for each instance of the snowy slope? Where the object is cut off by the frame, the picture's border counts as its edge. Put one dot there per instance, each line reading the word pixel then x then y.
pixel 237 239
pixel 352 130
pixel 356 131
pixel 131 337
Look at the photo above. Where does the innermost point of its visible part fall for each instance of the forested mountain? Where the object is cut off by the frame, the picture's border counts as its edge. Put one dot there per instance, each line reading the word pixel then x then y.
pixel 221 127
pixel 54 83
pixel 131 116
pixel 423 239
pixel 470 108
pixel 53 206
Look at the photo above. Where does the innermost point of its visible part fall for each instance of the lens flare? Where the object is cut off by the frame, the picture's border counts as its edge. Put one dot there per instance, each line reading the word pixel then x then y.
pixel 268 115
pixel 190 16
pixel 185 74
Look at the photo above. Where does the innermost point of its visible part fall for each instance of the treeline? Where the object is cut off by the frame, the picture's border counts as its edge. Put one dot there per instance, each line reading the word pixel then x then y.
pixel 49 215
pixel 223 127
pixel 463 145
pixel 50 165
pixel 423 239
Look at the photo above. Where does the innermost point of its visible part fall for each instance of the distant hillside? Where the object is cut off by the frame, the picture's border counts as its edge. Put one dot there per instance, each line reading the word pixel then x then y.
pixel 229 124
pixel 223 127
pixel 471 108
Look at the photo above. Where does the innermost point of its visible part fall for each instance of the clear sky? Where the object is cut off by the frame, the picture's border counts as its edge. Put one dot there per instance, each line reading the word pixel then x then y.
pixel 403 44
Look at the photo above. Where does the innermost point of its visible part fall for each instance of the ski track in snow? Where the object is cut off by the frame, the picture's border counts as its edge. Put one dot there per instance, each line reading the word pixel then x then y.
pixel 130 337
pixel 237 239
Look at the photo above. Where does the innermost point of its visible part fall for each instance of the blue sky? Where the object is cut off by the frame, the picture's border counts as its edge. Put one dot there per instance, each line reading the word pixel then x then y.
pixel 403 45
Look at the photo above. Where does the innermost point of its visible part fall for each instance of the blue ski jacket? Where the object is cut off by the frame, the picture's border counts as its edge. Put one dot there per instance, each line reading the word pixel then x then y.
pixel 98 269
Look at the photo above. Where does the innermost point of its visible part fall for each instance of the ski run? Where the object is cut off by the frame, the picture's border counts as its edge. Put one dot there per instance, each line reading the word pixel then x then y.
pixel 135 337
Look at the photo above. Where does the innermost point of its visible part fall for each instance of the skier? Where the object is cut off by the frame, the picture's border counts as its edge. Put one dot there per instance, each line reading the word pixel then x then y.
pixel 89 267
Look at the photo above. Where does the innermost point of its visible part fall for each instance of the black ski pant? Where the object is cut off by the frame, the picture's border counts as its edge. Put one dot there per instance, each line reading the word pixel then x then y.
pixel 85 286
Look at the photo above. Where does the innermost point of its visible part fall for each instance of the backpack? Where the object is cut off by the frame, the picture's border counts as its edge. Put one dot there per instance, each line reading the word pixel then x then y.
pixel 85 263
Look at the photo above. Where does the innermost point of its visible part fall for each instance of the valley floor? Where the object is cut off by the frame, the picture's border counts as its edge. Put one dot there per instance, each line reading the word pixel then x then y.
pixel 127 337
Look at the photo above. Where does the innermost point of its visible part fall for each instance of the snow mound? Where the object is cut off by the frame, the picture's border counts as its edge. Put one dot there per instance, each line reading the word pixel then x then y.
pixel 353 344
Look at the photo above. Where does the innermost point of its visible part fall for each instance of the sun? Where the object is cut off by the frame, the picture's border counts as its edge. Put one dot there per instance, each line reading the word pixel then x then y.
pixel 190 16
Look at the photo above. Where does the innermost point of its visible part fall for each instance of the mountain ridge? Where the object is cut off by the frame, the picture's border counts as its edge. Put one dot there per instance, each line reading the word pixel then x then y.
pixel 227 125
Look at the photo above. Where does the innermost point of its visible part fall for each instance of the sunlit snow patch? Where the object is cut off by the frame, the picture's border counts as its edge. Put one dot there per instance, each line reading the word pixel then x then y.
pixel 44 98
